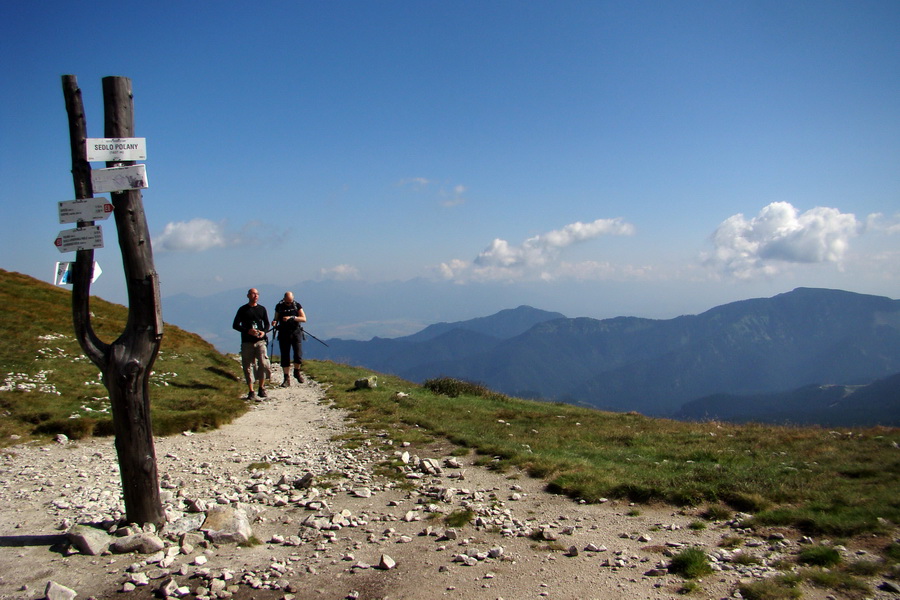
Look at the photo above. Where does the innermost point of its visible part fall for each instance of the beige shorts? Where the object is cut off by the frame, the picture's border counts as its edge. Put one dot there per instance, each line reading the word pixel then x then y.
pixel 255 361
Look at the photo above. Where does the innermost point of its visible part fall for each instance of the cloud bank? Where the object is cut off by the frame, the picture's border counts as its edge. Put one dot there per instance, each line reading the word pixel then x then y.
pixel 340 273
pixel 778 236
pixel 537 257
pixel 195 235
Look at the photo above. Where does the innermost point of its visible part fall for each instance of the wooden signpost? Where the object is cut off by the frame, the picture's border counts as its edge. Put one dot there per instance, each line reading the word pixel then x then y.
pixel 125 363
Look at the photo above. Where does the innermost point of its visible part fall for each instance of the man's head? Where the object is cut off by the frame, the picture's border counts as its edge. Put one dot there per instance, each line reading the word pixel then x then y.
pixel 253 296
pixel 289 296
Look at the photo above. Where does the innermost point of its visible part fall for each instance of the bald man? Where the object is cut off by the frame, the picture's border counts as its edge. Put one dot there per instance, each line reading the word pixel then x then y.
pixel 289 317
pixel 252 321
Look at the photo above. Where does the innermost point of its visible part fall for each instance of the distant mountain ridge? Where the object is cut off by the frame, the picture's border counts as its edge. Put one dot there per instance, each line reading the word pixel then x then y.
pixel 759 346
pixel 436 343
pixel 830 405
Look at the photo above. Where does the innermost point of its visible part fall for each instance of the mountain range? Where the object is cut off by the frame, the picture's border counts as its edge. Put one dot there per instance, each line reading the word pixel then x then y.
pixel 765 353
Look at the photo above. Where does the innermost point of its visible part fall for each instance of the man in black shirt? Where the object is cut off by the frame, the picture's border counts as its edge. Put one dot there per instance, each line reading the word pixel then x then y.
pixel 289 318
pixel 252 321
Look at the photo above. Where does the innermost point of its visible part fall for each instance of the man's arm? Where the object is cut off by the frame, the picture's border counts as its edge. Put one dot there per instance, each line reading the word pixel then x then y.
pixel 238 324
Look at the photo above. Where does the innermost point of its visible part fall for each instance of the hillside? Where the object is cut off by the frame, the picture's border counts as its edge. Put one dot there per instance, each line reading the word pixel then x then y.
pixel 49 386
pixel 765 345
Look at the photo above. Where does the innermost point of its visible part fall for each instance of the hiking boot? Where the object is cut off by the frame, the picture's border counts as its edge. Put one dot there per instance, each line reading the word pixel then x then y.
pixel 298 375
pixel 251 396
pixel 286 382
pixel 262 393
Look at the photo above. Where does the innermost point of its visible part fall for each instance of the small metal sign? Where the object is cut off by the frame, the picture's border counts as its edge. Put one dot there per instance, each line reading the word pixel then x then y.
pixel 80 238
pixel 64 273
pixel 87 209
pixel 119 179
pixel 115 149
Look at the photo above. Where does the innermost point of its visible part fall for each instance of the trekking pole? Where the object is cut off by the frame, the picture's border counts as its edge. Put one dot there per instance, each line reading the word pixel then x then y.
pixel 305 333
pixel 272 341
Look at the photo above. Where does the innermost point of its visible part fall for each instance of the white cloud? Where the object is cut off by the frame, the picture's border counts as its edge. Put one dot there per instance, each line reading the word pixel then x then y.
pixel 449 195
pixel 537 257
pixel 878 222
pixel 340 273
pixel 417 183
pixel 195 235
pixel 781 235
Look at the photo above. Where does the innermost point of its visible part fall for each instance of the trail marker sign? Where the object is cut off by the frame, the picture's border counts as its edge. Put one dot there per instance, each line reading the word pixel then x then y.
pixel 80 238
pixel 115 149
pixel 87 209
pixel 64 273
pixel 119 179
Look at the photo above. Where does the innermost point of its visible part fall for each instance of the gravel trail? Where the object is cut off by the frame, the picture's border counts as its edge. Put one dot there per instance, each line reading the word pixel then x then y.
pixel 350 534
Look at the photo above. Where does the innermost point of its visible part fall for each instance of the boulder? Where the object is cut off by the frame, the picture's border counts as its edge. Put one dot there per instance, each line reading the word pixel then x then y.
pixel 89 540
pixel 142 543
pixel 227 524
pixel 56 591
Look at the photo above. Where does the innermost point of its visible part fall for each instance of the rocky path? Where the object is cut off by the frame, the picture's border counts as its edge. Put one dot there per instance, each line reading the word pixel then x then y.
pixel 346 533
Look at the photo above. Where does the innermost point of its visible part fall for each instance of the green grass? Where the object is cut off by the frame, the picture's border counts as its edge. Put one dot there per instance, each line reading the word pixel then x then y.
pixel 783 587
pixel 819 556
pixel 691 564
pixel 459 518
pixel 784 476
pixel 193 386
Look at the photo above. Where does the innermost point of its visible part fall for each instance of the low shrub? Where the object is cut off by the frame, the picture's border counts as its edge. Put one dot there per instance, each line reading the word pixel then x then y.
pixel 691 563
pixel 819 556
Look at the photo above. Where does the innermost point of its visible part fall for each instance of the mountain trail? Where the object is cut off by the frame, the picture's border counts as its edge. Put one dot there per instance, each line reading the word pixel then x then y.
pixel 353 533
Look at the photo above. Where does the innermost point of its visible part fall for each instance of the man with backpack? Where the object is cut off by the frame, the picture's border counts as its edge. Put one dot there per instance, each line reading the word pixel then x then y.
pixel 289 317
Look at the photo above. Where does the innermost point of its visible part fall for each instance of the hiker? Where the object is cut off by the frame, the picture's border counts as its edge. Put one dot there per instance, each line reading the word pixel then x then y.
pixel 252 321
pixel 289 317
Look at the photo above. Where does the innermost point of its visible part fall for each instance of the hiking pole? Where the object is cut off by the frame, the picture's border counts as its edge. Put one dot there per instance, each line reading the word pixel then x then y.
pixel 274 331
pixel 305 333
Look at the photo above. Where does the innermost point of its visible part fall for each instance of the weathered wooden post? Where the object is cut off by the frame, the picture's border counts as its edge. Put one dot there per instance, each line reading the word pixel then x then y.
pixel 126 363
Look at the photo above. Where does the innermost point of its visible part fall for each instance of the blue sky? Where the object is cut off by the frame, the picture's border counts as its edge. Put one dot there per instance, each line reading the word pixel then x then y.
pixel 645 158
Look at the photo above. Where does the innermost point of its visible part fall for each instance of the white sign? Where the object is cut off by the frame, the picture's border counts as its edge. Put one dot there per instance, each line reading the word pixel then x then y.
pixel 80 238
pixel 88 209
pixel 64 273
pixel 115 149
pixel 119 179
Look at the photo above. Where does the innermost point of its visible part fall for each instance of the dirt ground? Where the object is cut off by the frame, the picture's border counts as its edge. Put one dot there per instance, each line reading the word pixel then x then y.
pixel 621 550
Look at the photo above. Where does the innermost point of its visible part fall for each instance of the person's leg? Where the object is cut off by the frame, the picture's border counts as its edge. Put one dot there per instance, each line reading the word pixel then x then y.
pixel 263 371
pixel 284 344
pixel 296 342
pixel 247 357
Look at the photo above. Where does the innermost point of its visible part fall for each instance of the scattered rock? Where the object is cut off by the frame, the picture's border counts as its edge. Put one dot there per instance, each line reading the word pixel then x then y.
pixel 55 591
pixel 366 382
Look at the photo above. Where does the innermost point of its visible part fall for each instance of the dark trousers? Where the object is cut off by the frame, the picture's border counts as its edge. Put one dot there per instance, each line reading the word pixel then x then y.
pixel 288 343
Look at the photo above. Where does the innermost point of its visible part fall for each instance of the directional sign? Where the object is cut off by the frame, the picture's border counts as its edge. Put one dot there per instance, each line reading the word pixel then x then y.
pixel 80 238
pixel 88 209
pixel 64 272
pixel 118 179
pixel 115 149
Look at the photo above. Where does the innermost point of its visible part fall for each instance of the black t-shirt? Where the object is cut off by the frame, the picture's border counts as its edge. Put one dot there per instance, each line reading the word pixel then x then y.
pixel 251 317
pixel 287 309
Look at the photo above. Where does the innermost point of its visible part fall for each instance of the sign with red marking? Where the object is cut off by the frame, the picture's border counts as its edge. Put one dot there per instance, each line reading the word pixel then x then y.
pixel 80 238
pixel 87 209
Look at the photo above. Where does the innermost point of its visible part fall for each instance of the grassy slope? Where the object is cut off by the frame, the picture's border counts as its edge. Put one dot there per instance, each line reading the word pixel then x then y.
pixel 193 386
pixel 822 481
